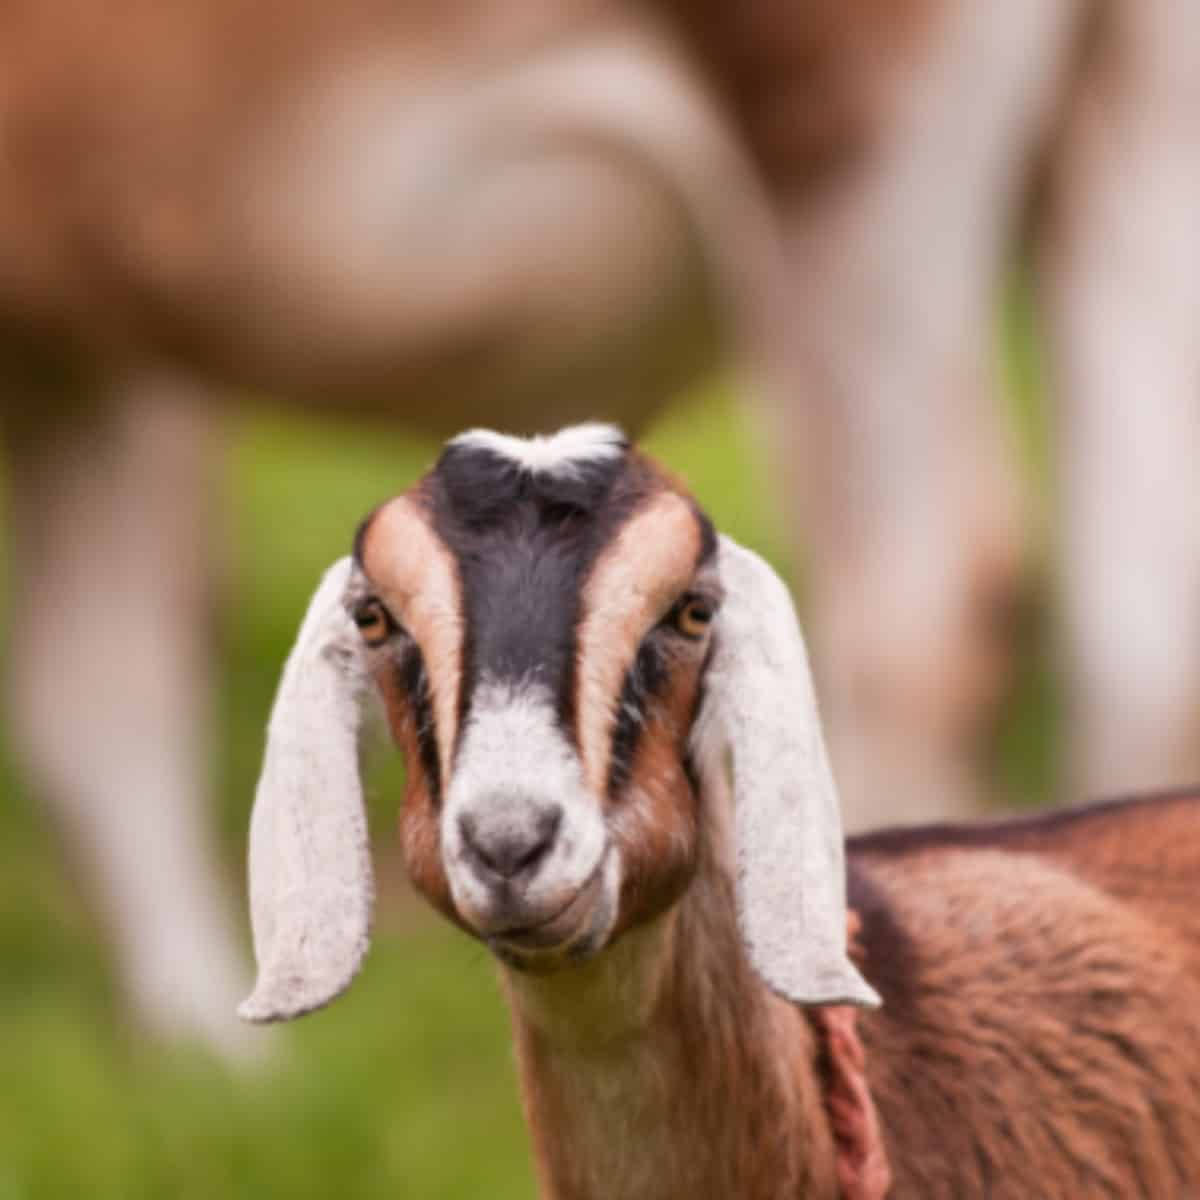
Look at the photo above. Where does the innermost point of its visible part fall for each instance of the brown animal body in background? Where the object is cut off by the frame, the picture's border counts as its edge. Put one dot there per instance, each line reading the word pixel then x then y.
pixel 617 782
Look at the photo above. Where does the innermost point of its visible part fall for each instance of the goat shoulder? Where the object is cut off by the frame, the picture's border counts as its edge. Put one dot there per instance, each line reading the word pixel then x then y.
pixel 1037 1009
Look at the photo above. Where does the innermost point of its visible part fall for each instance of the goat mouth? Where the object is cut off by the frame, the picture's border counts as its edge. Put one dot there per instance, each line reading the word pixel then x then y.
pixel 572 926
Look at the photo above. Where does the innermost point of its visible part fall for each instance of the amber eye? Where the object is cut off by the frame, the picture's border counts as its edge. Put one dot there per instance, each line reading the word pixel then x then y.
pixel 693 617
pixel 373 621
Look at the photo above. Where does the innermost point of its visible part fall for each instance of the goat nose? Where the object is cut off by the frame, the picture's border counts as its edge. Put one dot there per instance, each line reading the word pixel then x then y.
pixel 507 850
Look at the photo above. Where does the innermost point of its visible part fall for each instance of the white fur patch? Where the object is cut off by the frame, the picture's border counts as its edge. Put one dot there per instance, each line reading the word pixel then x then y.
pixel 562 453
pixel 512 764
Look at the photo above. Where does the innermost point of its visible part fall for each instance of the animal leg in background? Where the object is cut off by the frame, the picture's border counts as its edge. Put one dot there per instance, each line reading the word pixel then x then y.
pixel 896 438
pixel 1123 288
pixel 109 687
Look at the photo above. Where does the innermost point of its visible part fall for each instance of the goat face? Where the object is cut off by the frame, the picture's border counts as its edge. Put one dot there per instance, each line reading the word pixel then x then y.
pixel 567 655
pixel 539 638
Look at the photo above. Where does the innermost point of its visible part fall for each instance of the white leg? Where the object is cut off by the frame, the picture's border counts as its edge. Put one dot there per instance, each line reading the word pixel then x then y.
pixel 898 453
pixel 110 689
pixel 1123 284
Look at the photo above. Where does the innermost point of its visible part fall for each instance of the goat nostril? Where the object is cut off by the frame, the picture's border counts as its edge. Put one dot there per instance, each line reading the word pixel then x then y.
pixel 545 832
pixel 549 822
pixel 510 852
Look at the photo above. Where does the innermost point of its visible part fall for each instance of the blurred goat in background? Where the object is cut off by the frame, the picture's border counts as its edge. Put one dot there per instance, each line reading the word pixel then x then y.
pixel 961 125
pixel 524 212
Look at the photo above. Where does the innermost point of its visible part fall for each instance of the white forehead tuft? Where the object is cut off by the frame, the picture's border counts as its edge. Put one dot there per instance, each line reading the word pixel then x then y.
pixel 561 453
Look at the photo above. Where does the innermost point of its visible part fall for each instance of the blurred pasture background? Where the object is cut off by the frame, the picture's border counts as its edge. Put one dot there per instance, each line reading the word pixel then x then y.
pixel 295 200
pixel 406 1088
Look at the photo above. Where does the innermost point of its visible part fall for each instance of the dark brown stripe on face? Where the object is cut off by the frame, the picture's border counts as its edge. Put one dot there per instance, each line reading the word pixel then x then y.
pixel 644 682
pixel 642 572
pixel 413 684
pixel 647 680
pixel 524 543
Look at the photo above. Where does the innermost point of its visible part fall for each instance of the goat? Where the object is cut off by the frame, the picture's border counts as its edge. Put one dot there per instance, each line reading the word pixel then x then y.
pixel 617 782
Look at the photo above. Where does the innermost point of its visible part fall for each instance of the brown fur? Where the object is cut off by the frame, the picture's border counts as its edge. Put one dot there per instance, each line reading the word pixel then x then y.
pixel 1040 1034
pixel 807 82
pixel 635 581
pixel 417 578
pixel 419 837
pixel 656 822
pixel 1141 850
pixel 126 129
pixel 713 1092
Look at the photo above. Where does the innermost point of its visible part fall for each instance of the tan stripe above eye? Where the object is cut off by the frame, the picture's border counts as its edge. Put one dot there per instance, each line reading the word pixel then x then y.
pixel 416 577
pixel 635 580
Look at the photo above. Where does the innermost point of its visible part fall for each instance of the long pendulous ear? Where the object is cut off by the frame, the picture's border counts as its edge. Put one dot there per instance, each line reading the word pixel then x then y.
pixel 760 710
pixel 310 869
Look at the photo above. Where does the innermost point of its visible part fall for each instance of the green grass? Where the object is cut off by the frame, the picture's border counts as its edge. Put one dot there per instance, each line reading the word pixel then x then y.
pixel 406 1087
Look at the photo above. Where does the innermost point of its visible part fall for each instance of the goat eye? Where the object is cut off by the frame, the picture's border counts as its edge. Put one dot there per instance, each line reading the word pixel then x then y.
pixel 373 620
pixel 693 617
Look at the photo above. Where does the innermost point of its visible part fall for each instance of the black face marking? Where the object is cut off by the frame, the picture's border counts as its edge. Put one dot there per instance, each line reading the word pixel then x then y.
pixel 644 681
pixel 690 768
pixel 524 543
pixel 413 681
pixel 647 680
pixel 482 484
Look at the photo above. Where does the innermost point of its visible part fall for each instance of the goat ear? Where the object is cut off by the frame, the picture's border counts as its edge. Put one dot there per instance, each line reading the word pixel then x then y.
pixel 760 711
pixel 310 870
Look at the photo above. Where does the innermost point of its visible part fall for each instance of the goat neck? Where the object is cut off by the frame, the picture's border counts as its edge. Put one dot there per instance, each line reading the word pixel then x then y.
pixel 665 1069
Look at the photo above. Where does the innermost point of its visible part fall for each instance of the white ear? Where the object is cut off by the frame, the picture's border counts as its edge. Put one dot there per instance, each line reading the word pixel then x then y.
pixel 790 858
pixel 310 870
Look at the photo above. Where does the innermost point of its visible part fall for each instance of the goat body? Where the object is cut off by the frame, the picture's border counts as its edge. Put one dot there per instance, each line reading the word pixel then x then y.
pixel 1040 1032
pixel 617 781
